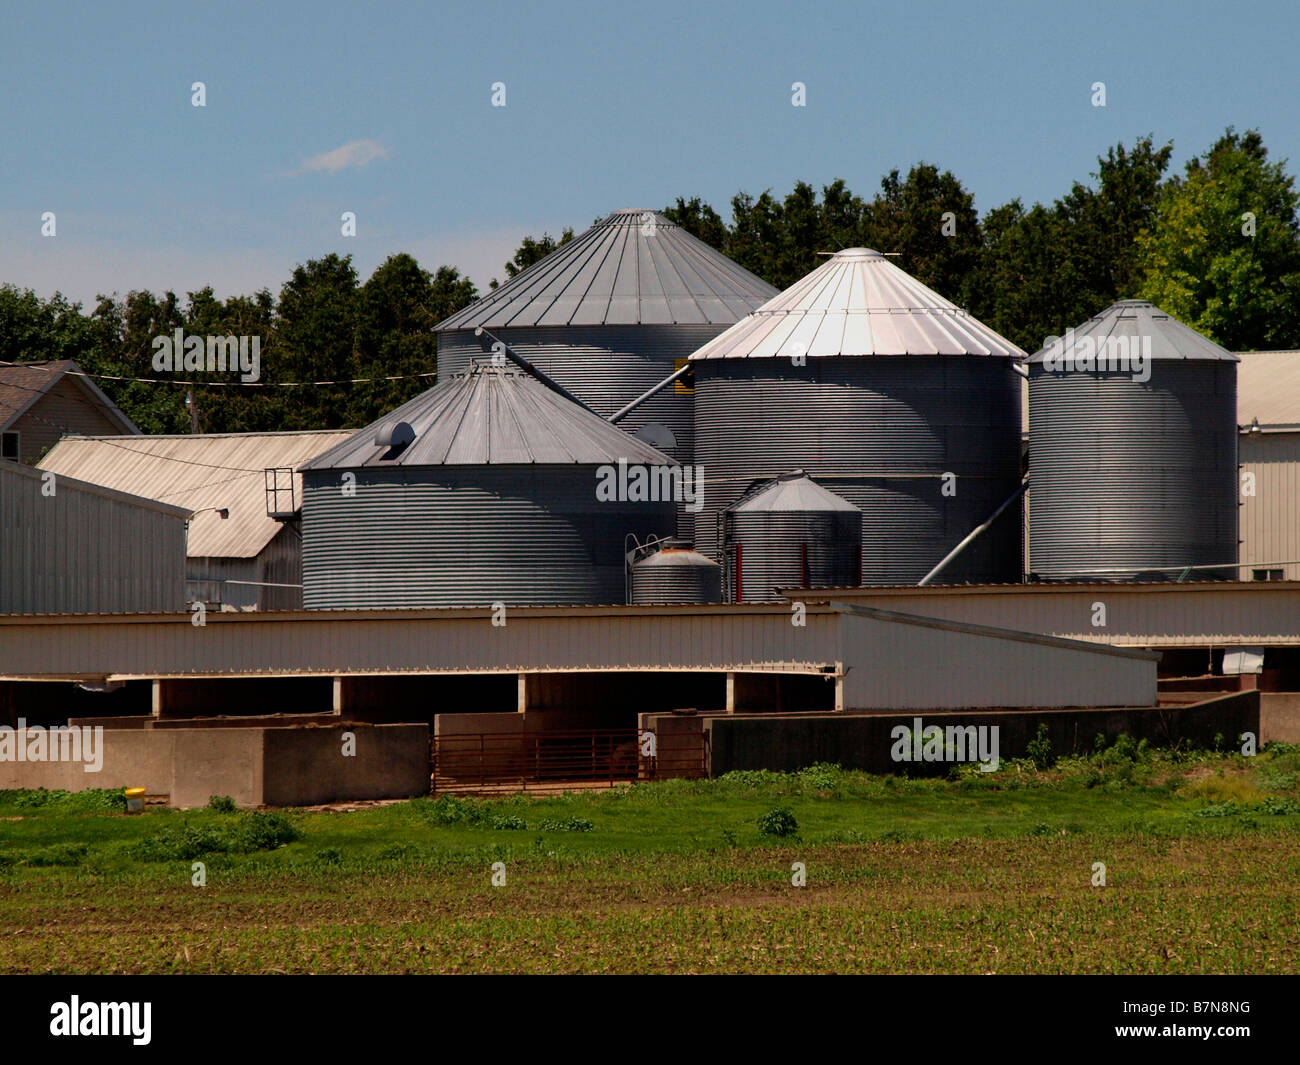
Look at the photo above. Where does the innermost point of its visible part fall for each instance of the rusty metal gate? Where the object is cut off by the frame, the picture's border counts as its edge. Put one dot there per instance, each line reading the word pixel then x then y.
pixel 539 761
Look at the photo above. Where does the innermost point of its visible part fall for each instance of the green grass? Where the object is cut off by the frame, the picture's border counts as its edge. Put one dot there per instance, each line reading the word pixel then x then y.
pixel 972 873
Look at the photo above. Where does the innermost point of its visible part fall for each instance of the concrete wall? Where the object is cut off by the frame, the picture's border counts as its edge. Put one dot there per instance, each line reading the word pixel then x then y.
pixel 1279 717
pixel 305 766
pixel 254 766
pixel 863 741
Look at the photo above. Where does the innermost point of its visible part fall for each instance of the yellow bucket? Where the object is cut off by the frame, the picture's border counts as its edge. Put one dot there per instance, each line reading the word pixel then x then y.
pixel 134 800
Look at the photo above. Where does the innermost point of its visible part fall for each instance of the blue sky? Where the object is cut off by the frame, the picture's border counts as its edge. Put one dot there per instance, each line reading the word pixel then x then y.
pixel 607 106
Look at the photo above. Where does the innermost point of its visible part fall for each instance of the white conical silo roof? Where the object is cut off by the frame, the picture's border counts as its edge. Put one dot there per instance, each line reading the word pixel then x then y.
pixel 1139 319
pixel 792 494
pixel 857 303
pixel 633 267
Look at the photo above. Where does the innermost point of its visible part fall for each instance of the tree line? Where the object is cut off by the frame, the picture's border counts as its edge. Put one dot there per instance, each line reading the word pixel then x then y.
pixel 1217 246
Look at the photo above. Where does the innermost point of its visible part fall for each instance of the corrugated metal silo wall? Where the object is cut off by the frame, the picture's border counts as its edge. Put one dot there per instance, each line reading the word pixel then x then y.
pixel 77 552
pixel 606 367
pixel 1131 475
pixel 676 584
pixel 772 552
pixel 879 432
pixel 447 536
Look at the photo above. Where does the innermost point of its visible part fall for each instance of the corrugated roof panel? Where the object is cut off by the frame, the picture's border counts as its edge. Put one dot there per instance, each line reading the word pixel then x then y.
pixel 884 312
pixel 634 267
pixel 1136 319
pixel 493 416
pixel 198 472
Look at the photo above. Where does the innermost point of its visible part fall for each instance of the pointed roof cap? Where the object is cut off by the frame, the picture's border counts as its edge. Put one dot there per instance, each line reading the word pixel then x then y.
pixel 857 303
pixel 488 416
pixel 795 492
pixel 1135 319
pixel 634 267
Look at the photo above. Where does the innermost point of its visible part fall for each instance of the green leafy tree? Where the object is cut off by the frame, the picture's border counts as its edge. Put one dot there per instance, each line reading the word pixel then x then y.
pixel 1224 253
pixel 531 250
pixel 315 342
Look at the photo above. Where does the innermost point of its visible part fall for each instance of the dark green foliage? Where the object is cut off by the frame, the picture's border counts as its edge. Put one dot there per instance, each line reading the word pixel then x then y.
pixel 778 822
pixel 1039 749
pixel 222 804
pixel 569 824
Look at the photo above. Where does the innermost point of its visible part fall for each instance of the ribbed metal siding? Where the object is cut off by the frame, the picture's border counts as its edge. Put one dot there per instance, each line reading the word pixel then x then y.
pixel 425 536
pixel 673 576
pixel 900 666
pixel 1131 476
pixel 1270 519
pixel 773 546
pixel 606 367
pixel 77 552
pixel 877 432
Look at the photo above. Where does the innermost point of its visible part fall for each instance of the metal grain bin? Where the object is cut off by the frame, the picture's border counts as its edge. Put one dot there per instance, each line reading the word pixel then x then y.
pixel 1132 460
pixel 609 315
pixel 676 575
pixel 878 388
pixel 488 488
pixel 791 533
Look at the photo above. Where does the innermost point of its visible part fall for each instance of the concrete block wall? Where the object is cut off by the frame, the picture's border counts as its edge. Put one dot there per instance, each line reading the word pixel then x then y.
pixel 254 766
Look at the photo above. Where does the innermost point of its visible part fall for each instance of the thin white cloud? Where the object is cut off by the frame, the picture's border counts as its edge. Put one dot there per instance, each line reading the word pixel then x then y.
pixel 354 153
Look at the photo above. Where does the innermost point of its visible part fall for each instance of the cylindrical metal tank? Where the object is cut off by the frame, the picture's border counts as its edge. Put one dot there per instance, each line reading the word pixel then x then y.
pixel 676 575
pixel 609 315
pixel 467 537
pixel 791 533
pixel 1132 462
pixel 888 396
pixel 488 488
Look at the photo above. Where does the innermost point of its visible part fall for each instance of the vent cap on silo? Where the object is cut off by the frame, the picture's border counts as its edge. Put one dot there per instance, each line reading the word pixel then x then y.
pixel 634 267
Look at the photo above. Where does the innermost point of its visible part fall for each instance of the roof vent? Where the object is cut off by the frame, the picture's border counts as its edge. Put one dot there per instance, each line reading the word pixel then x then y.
pixel 396 436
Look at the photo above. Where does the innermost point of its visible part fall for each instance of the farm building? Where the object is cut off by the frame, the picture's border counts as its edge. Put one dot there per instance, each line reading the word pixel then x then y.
pixel 42 401
pixel 484 489
pixel 68 547
pixel 239 557
pixel 1268 417
pixel 611 314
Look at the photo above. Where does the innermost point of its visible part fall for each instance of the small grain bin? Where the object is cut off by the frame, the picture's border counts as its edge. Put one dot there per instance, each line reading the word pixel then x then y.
pixel 791 533
pixel 675 574
pixel 488 488
pixel 1132 451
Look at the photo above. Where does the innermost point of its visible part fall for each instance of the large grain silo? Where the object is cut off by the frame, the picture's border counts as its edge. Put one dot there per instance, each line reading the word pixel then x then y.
pixel 885 393
pixel 1132 450
pixel 611 314
pixel 490 487
pixel 790 533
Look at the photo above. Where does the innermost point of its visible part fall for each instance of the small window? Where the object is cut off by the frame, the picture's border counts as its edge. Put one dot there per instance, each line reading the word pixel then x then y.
pixel 9 449
pixel 1266 574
